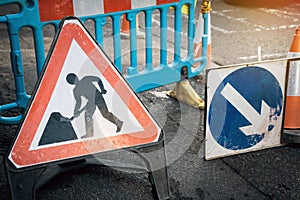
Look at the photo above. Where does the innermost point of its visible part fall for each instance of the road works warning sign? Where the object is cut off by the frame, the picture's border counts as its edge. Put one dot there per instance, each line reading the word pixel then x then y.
pixel 82 105
pixel 244 108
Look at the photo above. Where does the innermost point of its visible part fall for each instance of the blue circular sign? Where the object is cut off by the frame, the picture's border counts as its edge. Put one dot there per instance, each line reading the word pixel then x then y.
pixel 236 102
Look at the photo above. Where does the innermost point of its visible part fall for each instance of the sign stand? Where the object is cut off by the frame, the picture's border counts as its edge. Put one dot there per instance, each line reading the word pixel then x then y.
pixel 158 175
pixel 23 183
pixel 82 107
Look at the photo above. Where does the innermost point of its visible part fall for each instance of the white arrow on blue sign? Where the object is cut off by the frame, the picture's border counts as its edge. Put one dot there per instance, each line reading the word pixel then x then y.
pixel 259 121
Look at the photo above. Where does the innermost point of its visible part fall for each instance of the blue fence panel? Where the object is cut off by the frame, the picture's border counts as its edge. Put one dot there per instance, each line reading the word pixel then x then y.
pixel 151 76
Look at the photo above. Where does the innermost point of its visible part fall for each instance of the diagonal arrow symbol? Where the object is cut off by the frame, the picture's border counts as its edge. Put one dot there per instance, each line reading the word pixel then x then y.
pixel 259 121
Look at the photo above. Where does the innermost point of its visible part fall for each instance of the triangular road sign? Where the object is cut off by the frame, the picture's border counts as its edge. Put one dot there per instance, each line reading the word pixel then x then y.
pixel 81 106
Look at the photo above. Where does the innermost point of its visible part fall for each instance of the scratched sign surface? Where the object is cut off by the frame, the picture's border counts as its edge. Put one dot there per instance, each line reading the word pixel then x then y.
pixel 245 108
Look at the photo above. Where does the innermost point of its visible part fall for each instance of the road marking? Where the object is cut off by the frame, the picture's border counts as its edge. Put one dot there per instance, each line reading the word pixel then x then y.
pixel 281 13
pixel 159 94
pixel 265 56
pixel 257 27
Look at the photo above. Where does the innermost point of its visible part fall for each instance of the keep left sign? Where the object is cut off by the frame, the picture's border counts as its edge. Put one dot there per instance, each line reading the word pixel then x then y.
pixel 244 108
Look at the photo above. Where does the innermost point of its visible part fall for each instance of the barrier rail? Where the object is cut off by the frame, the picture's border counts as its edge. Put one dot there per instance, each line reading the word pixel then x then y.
pixel 36 14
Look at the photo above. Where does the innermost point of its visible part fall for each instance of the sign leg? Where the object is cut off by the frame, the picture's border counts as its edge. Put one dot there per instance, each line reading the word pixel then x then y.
pixel 22 183
pixel 157 168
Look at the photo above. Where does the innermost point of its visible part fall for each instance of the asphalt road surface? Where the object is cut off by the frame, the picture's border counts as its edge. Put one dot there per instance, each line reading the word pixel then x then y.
pixel 237 34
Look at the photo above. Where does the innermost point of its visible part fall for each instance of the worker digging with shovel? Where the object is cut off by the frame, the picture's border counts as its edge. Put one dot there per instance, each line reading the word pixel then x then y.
pixel 85 88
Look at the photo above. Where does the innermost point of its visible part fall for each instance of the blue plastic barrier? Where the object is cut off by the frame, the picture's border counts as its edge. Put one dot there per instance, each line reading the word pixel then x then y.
pixel 151 77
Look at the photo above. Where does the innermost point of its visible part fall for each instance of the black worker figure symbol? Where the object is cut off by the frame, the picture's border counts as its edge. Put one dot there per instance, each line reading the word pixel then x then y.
pixel 85 88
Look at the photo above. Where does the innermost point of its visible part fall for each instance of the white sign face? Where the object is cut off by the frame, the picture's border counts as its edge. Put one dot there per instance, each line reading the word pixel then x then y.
pixel 244 108
pixel 63 102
